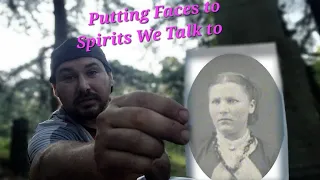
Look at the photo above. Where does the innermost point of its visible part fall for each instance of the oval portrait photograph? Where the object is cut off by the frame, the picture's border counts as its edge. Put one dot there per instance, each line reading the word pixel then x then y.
pixel 237 122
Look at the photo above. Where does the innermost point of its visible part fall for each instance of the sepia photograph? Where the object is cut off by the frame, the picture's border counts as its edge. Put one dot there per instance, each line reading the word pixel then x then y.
pixel 237 118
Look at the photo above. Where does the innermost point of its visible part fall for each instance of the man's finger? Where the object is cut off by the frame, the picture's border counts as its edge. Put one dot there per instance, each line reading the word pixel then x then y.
pixel 149 122
pixel 125 162
pixel 165 106
pixel 134 141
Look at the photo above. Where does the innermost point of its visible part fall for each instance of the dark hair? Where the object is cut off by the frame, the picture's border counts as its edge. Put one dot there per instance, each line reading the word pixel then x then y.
pixel 249 87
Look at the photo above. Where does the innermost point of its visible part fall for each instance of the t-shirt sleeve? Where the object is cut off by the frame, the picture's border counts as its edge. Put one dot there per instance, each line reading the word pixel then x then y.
pixel 47 134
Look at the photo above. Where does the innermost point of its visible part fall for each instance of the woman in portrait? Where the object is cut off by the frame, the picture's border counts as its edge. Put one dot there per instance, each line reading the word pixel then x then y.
pixel 233 151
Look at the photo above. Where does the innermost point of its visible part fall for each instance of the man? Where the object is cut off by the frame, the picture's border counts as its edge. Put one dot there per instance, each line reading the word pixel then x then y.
pixel 92 136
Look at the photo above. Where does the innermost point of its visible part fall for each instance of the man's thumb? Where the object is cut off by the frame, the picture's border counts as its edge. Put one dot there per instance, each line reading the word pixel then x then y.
pixel 161 169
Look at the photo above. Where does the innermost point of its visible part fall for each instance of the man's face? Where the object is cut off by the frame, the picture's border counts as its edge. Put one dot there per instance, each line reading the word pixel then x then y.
pixel 83 87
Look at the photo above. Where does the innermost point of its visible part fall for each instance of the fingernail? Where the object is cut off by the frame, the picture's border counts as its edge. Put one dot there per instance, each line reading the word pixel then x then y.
pixel 184 115
pixel 185 136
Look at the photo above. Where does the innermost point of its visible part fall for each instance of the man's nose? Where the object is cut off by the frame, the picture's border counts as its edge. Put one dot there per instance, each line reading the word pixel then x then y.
pixel 83 84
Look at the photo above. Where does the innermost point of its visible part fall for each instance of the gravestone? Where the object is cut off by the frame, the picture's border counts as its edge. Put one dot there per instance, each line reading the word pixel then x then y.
pixel 18 149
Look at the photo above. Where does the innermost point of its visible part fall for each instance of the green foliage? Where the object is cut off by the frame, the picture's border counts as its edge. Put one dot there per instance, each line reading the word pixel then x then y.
pixel 23 99
pixel 172 77
pixel 4 147
pixel 316 68
pixel 177 159
pixel 128 79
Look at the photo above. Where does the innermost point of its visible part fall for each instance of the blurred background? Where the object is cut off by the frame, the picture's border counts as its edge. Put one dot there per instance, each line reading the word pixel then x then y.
pixel 31 29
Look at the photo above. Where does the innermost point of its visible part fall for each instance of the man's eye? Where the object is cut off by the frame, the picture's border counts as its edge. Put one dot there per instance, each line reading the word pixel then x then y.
pixel 92 73
pixel 68 78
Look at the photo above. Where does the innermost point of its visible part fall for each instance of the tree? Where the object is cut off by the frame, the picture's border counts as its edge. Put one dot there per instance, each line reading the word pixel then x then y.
pixel 172 78
pixel 128 79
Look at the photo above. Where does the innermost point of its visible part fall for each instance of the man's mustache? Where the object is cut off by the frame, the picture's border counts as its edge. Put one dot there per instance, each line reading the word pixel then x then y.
pixel 85 97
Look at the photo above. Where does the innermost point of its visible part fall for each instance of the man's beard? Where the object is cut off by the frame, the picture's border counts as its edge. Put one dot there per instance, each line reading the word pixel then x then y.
pixel 89 114
pixel 83 114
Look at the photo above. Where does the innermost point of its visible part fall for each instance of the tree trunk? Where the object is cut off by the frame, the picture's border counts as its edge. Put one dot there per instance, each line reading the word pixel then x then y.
pixel 254 21
pixel 60 34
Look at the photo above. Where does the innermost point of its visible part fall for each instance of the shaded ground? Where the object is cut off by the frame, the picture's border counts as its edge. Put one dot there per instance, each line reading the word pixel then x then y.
pixel 6 173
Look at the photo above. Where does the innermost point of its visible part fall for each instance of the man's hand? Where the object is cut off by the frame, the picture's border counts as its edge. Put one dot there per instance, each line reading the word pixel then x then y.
pixel 130 134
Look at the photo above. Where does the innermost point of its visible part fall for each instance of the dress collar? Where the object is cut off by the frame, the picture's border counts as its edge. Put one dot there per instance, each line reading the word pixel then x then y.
pixel 232 145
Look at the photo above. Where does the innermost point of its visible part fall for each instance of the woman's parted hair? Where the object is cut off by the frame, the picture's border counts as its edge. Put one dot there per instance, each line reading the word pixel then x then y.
pixel 249 86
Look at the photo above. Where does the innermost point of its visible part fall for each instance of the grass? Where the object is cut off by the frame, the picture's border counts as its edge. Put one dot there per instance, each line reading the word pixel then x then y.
pixel 177 159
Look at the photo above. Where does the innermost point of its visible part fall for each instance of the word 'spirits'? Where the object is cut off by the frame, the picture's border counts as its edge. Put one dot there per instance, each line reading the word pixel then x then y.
pixel 160 11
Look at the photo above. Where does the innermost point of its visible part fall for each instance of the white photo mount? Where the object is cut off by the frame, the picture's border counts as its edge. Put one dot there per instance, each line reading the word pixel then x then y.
pixel 265 54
